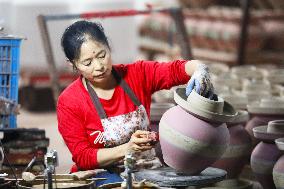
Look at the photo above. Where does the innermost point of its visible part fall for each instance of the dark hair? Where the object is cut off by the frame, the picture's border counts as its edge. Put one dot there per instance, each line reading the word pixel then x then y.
pixel 77 33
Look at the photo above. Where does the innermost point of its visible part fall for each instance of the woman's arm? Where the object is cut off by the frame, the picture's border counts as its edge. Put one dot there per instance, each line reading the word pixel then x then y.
pixel 191 66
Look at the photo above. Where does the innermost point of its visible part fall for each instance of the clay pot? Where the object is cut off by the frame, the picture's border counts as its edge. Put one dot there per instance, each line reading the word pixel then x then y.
pixel 266 153
pixel 268 109
pixel 238 151
pixel 163 96
pixel 157 110
pixel 194 131
pixel 278 169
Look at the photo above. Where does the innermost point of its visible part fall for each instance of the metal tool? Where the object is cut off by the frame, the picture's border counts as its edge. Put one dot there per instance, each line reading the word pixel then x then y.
pixel 51 161
pixel 129 163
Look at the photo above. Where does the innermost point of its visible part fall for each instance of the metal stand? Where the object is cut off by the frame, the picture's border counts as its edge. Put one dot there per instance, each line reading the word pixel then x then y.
pixel 51 161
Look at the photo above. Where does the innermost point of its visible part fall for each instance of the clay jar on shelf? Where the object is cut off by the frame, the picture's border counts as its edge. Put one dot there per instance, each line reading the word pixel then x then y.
pixel 193 134
pixel 278 169
pixel 238 151
pixel 266 153
pixel 268 109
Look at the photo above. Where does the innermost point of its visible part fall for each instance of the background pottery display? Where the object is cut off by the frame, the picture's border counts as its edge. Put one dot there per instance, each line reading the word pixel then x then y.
pixel 238 151
pixel 278 169
pixel 193 134
pixel 266 153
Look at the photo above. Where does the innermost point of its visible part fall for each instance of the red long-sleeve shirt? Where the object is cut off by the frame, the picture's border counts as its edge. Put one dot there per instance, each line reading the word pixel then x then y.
pixel 78 118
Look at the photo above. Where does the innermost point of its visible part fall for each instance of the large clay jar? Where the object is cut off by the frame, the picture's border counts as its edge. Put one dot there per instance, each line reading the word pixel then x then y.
pixel 193 134
pixel 238 151
pixel 278 169
pixel 268 109
pixel 266 153
pixel 157 110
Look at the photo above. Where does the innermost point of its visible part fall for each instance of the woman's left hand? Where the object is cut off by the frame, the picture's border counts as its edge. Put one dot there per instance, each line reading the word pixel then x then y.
pixel 200 82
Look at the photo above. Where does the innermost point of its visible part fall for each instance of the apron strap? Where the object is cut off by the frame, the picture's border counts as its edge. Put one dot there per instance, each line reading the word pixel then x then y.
pixel 122 83
pixel 126 88
pixel 96 101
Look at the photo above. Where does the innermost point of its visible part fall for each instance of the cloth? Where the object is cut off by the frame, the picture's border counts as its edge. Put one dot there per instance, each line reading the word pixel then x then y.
pixel 110 178
pixel 79 122
pixel 200 82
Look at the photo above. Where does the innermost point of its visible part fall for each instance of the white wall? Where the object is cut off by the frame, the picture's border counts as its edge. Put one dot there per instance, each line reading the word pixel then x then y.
pixel 19 18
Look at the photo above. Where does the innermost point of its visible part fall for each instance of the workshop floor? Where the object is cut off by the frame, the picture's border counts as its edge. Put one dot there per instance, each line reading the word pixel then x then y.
pixel 48 122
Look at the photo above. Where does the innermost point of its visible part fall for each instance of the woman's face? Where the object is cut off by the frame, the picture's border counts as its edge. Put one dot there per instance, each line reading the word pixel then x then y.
pixel 94 61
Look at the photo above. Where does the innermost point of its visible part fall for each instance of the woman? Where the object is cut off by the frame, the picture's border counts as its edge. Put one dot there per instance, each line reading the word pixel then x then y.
pixel 104 114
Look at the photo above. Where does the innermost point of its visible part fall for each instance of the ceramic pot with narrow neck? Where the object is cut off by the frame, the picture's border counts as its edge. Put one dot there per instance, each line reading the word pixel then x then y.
pixel 238 151
pixel 278 169
pixel 268 109
pixel 266 153
pixel 193 134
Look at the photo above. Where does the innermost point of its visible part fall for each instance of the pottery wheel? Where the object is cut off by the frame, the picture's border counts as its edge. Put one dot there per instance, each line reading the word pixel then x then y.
pixel 168 177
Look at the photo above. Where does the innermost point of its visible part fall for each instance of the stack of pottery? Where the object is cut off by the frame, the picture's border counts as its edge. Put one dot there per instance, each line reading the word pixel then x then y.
pixel 278 169
pixel 248 72
pixel 193 134
pixel 266 153
pixel 235 98
pixel 256 89
pixel 267 109
pixel 229 80
pixel 237 153
pixel 276 76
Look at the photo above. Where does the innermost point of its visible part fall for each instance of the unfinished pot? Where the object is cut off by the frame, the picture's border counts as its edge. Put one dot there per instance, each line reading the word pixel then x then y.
pixel 268 109
pixel 278 169
pixel 238 151
pixel 266 153
pixel 157 110
pixel 193 134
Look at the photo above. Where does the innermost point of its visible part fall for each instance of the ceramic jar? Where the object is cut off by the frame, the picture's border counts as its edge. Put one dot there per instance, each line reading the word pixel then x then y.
pixel 268 109
pixel 278 169
pixel 266 153
pixel 238 151
pixel 156 112
pixel 193 134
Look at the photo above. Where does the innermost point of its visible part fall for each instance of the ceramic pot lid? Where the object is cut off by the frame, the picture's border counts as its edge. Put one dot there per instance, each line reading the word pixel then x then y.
pixel 270 132
pixel 204 108
pixel 268 106
pixel 241 117
pixel 280 143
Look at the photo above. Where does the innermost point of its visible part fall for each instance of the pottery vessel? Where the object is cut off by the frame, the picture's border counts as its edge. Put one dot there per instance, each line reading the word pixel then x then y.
pixel 193 134
pixel 278 169
pixel 266 153
pixel 157 110
pixel 238 151
pixel 268 109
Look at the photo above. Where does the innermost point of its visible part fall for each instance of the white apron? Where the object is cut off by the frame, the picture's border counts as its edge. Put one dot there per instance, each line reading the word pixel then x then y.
pixel 118 129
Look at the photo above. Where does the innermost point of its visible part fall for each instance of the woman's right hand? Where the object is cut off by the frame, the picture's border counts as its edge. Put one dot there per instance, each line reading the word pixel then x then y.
pixel 139 142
